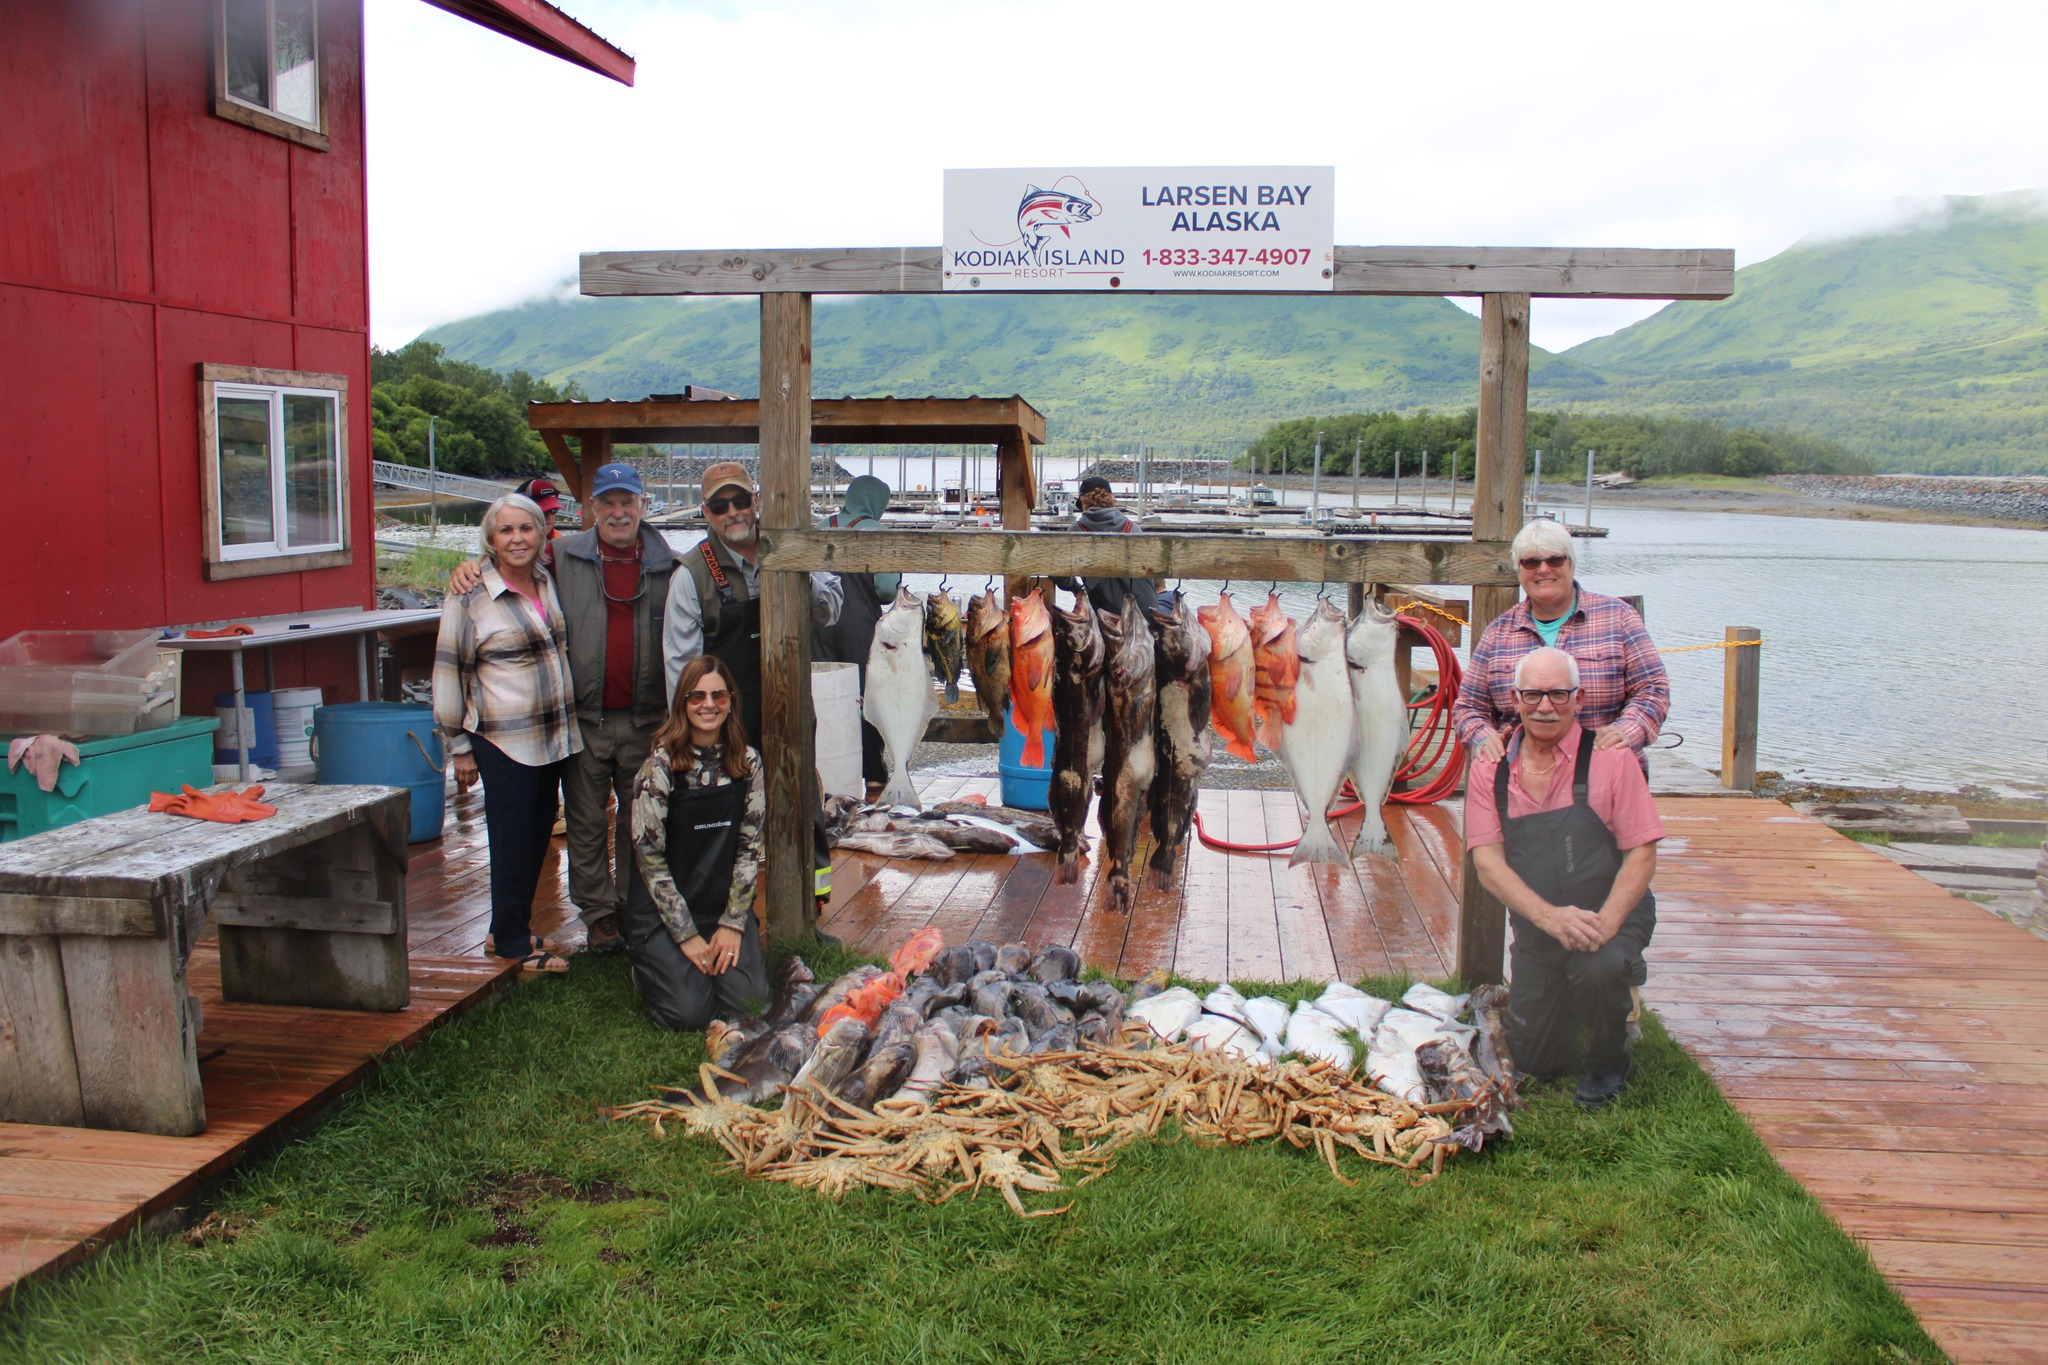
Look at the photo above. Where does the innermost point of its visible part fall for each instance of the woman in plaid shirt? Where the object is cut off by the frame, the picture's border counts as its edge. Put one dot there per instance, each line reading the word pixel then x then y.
pixel 1623 692
pixel 507 713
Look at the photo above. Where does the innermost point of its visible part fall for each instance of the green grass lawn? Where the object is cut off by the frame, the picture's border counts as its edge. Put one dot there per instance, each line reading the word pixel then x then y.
pixel 470 1205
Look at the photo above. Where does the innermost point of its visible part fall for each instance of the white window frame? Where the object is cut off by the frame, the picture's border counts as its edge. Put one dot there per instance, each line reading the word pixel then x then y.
pixel 280 555
pixel 263 117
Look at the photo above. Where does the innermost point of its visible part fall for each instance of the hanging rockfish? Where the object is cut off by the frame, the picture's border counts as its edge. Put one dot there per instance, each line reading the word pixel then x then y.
pixel 1130 706
pixel 1232 677
pixel 1318 744
pixel 898 700
pixel 1277 659
pixel 1181 737
pixel 988 657
pixel 1381 718
pixel 1031 675
pixel 1078 656
pixel 944 641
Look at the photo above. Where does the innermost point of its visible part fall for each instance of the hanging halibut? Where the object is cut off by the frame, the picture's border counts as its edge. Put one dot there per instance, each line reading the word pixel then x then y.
pixel 1130 705
pixel 1381 717
pixel 1317 746
pixel 1181 738
pixel 899 701
pixel 1232 677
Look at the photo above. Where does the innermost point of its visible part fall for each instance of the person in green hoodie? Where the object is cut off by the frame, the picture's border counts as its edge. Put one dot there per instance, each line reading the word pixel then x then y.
pixel 867 596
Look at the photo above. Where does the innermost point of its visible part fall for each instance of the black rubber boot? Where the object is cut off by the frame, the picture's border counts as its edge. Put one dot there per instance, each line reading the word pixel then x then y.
pixel 1599 1087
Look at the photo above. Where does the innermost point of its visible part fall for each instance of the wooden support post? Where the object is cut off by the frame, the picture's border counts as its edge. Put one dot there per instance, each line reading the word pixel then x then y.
pixel 1020 491
pixel 786 739
pixel 1740 671
pixel 1496 515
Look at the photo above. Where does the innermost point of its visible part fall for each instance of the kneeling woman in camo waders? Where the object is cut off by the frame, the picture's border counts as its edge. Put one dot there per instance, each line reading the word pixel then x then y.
pixel 697 812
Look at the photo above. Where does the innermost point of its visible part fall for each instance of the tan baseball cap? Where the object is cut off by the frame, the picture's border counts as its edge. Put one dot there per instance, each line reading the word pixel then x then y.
pixel 727 474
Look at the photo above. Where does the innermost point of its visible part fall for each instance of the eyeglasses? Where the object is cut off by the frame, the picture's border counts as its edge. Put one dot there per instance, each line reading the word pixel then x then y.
pixel 1558 695
pixel 1535 562
pixel 694 698
pixel 717 507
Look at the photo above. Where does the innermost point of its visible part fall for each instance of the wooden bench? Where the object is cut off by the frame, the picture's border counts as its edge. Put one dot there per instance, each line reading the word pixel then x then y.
pixel 98 919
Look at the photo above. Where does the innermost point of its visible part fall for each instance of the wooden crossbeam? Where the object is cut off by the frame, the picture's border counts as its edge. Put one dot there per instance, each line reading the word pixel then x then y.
pixel 1545 272
pixel 1015 554
pixel 834 421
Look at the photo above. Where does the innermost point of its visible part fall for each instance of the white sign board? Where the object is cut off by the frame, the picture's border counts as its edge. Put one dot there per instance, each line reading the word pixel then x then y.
pixel 1209 228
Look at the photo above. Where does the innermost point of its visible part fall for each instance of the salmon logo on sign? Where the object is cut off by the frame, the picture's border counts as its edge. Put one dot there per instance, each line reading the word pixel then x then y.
pixel 1187 229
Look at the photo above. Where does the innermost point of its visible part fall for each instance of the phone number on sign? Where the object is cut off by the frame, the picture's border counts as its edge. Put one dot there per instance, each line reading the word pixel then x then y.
pixel 1277 255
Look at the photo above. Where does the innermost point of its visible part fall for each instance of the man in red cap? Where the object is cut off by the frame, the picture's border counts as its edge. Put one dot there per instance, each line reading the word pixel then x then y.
pixel 545 496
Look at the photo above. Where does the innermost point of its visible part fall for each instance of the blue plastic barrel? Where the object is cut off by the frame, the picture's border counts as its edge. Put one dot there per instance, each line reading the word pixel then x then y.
pixel 384 744
pixel 261 737
pixel 1025 788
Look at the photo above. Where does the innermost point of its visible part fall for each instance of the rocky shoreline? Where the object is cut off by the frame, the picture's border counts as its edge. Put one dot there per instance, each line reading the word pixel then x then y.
pixel 2010 500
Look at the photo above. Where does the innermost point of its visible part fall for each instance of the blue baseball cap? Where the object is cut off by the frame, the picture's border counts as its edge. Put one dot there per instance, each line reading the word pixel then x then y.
pixel 612 477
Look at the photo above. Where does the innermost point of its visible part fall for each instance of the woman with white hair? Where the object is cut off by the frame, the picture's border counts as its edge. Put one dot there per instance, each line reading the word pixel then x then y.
pixel 1623 691
pixel 506 711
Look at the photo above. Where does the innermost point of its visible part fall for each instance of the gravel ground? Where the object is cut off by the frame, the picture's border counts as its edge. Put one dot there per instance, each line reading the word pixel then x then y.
pixel 2012 499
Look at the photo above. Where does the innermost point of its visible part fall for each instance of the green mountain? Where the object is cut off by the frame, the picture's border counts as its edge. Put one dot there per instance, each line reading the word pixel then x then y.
pixel 1924 346
pixel 1189 372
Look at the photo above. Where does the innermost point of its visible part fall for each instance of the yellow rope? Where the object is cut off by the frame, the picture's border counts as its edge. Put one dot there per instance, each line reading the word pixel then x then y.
pixel 1399 606
pixel 1718 644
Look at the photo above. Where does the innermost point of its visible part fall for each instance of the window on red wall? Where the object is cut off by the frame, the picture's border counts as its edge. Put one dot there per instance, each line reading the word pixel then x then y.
pixel 266 67
pixel 274 466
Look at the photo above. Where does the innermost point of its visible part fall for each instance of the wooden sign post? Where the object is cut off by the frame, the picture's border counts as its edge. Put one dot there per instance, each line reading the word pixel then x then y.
pixel 1505 278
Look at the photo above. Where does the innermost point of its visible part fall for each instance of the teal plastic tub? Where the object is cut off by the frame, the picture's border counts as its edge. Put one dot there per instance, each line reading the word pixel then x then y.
pixel 1025 788
pixel 112 774
pixel 384 744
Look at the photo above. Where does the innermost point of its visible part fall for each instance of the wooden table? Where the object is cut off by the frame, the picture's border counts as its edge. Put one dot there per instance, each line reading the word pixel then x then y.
pixel 98 919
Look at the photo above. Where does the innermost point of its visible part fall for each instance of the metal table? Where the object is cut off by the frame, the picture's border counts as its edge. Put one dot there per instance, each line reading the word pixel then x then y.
pixel 271 631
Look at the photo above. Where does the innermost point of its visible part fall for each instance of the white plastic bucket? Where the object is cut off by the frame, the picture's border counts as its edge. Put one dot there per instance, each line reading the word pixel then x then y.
pixel 835 696
pixel 294 708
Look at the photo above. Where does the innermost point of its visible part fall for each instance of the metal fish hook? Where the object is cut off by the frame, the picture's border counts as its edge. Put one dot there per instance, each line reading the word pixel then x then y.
pixel 942 583
pixel 990 586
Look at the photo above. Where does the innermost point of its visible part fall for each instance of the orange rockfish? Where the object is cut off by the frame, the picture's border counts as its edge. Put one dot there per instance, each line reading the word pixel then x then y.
pixel 1031 675
pixel 1277 662
pixel 1232 678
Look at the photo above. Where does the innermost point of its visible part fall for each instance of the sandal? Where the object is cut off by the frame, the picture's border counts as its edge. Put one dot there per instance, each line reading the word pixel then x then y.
pixel 547 945
pixel 540 962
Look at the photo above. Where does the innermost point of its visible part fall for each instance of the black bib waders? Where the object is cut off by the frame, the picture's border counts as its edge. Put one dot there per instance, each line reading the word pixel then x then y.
pixel 702 841
pixel 1569 857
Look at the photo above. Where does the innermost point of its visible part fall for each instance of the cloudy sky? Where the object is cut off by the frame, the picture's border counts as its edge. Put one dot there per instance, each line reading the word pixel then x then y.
pixel 1746 124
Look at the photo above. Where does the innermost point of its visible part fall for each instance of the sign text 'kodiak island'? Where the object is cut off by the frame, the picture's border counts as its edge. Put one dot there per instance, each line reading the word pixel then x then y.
pixel 1208 228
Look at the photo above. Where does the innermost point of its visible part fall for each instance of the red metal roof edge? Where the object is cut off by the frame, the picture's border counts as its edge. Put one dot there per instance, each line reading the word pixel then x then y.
pixel 541 25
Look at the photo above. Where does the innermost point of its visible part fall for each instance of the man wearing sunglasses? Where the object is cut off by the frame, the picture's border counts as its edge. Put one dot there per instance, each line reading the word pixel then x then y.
pixel 714 606
pixel 613 581
pixel 1624 694
pixel 1565 833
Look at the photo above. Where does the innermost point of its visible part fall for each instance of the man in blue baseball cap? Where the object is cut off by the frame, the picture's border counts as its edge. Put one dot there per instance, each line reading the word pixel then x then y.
pixel 613 583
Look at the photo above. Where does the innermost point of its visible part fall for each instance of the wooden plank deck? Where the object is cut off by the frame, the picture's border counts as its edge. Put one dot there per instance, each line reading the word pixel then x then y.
pixel 1240 917
pixel 1886 1040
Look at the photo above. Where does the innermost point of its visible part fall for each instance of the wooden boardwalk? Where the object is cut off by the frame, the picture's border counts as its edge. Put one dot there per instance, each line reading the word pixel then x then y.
pixel 1238 918
pixel 1886 1040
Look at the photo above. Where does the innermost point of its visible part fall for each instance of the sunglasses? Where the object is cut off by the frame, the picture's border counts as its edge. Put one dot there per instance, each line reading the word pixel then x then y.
pixel 1531 696
pixel 693 698
pixel 717 507
pixel 1535 562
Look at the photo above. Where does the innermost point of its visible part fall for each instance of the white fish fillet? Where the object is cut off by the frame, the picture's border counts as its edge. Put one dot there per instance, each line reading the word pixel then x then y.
pixel 1426 999
pixel 1221 1033
pixel 1311 1033
pixel 1381 718
pixel 1317 748
pixel 1168 1013
pixel 1269 1017
pixel 1357 1011
pixel 899 700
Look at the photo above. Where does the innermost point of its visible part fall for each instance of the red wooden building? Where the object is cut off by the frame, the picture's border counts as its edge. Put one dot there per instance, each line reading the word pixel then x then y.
pixel 184 309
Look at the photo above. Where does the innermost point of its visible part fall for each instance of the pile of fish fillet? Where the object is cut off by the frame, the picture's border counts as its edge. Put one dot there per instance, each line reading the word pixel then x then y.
pixel 1144 700
pixel 991 1067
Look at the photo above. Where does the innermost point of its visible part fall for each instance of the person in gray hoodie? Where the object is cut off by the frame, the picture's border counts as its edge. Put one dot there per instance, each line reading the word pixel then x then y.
pixel 1099 513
